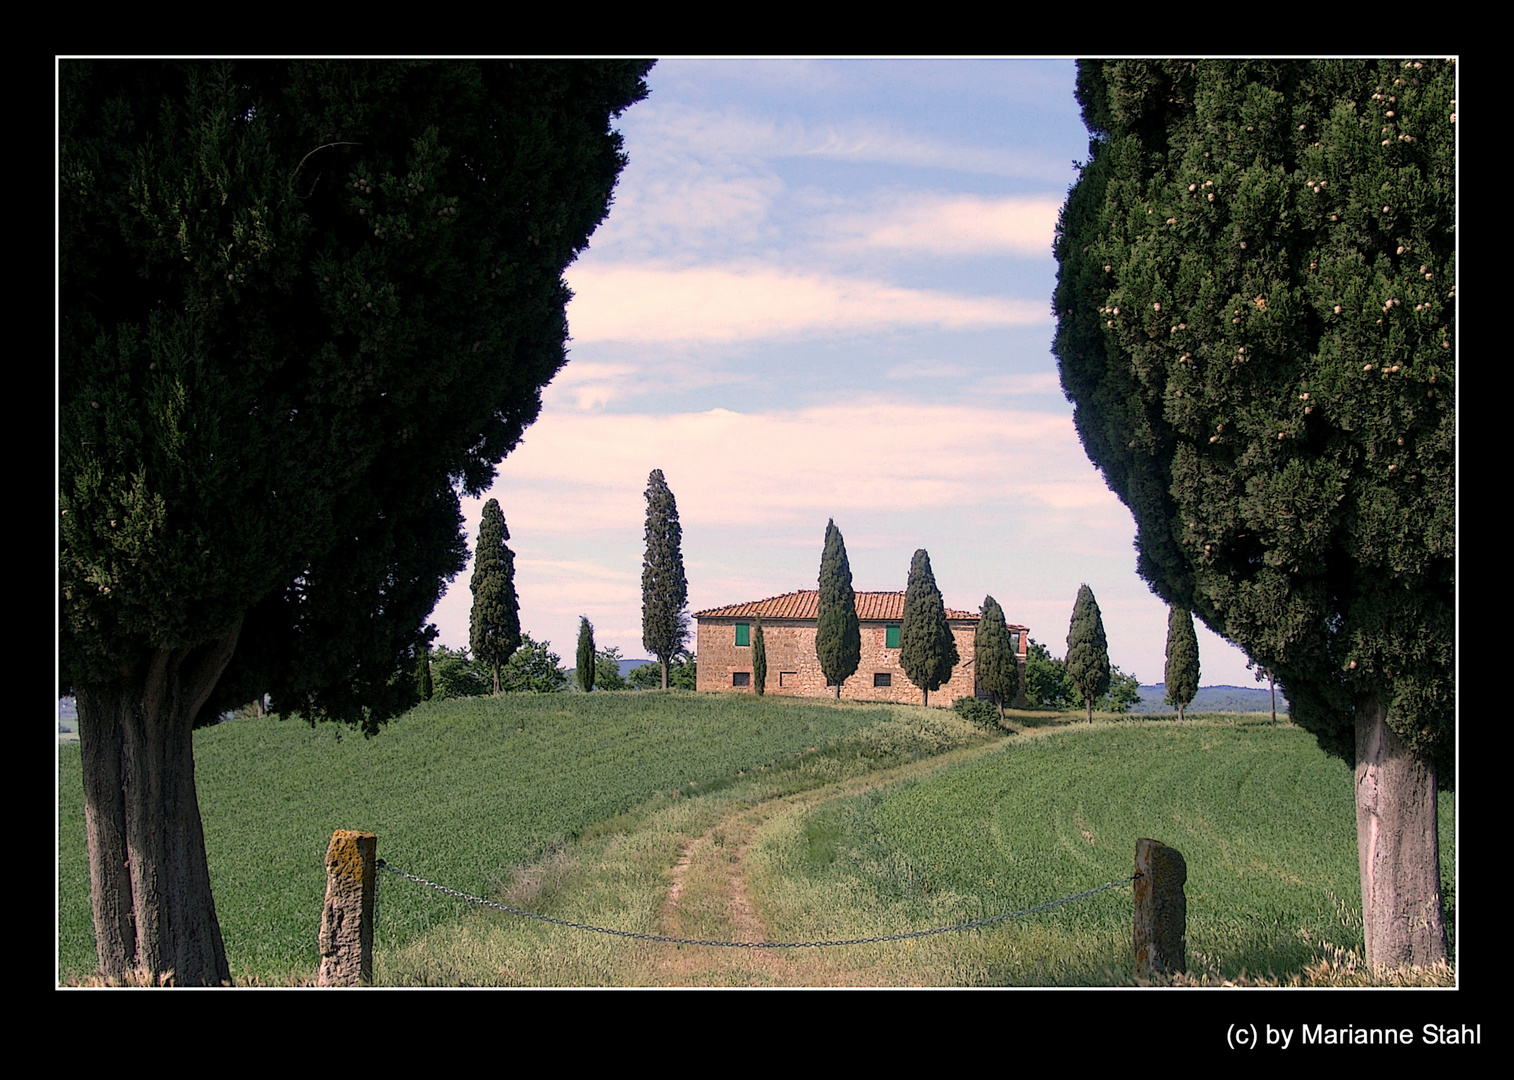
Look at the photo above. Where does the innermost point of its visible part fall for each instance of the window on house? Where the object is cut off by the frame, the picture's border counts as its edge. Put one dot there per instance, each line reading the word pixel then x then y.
pixel 741 678
pixel 743 633
pixel 883 678
pixel 890 638
pixel 788 678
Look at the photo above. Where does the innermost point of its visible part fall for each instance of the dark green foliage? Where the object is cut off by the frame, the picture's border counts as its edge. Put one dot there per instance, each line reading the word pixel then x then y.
pixel 494 625
pixel 1046 682
pixel 759 661
pixel 664 589
pixel 607 669
pixel 682 675
pixel 645 677
pixel 927 649
pixel 301 303
pixel 423 684
pixel 983 713
pixel 1087 660
pixel 995 664
pixel 1288 450
pixel 838 636
pixel 1123 693
pixel 455 674
pixel 533 669
pixel 586 656
pixel 1182 678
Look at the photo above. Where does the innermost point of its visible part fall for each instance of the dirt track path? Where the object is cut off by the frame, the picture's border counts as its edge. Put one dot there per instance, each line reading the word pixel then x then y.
pixel 711 898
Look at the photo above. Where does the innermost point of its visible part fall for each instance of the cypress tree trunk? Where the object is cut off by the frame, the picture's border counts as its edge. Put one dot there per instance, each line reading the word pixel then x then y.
pixel 1398 846
pixel 149 880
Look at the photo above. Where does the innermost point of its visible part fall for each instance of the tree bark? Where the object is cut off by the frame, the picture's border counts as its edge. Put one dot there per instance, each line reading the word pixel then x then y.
pixel 1398 846
pixel 149 889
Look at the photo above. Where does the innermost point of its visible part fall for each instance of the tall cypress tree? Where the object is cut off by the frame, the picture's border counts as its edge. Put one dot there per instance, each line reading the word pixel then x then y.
pixel 927 649
pixel 1256 311
pixel 303 306
pixel 759 661
pixel 494 626
pixel 423 684
pixel 1182 659
pixel 1087 658
pixel 994 659
pixel 585 671
pixel 664 588
pixel 838 637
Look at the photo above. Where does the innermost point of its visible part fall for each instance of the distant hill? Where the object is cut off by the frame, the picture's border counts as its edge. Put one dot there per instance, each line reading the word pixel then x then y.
pixel 1211 699
pixel 626 667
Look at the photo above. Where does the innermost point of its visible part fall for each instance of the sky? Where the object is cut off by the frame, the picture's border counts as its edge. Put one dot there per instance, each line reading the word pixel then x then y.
pixel 823 291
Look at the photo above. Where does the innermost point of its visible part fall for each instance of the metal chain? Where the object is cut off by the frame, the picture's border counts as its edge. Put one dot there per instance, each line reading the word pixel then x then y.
pixel 752 944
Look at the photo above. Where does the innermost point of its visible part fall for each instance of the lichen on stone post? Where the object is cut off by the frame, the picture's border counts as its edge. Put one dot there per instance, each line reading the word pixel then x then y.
pixel 1161 911
pixel 347 917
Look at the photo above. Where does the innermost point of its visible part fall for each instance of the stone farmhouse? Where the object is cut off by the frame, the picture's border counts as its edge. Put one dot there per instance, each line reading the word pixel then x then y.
pixel 724 646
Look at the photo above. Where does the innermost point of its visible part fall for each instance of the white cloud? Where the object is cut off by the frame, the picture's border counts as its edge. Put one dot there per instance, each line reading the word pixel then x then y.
pixel 732 469
pixel 723 304
pixel 963 225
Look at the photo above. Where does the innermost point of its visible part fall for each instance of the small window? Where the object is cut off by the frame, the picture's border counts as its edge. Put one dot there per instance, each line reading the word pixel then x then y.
pixel 743 633
pixel 741 678
pixel 788 678
pixel 890 641
pixel 883 678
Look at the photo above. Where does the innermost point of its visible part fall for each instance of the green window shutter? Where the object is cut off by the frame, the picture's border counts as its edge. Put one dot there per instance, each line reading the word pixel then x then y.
pixel 891 638
pixel 743 633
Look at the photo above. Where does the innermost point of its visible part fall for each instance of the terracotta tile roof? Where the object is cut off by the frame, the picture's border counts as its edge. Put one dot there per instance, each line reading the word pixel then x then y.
pixel 871 606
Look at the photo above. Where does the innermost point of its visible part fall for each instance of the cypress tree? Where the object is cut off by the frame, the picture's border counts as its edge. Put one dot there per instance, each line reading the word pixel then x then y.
pixel 303 307
pixel 1182 659
pixel 1256 308
pixel 423 683
pixel 494 626
pixel 585 654
pixel 994 659
pixel 838 637
pixel 927 649
pixel 664 588
pixel 759 661
pixel 1087 658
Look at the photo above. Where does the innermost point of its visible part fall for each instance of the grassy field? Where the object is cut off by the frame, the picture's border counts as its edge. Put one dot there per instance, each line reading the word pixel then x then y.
pixel 724 816
pixel 462 792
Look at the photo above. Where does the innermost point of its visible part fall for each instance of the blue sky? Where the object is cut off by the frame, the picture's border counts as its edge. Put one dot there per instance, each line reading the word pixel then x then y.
pixel 823 291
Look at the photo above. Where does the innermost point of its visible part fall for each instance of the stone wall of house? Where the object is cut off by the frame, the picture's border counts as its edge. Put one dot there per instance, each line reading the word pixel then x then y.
pixel 793 667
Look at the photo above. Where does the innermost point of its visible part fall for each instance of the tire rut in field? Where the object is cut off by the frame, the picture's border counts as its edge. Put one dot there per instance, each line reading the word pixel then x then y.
pixel 711 898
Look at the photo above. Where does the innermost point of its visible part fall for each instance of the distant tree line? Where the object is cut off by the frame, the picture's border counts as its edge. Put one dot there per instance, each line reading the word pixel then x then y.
pixel 533 668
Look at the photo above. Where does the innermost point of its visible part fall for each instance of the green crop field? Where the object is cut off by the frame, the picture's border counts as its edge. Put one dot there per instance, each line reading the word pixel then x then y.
pixel 730 816
pixel 460 792
pixel 1265 822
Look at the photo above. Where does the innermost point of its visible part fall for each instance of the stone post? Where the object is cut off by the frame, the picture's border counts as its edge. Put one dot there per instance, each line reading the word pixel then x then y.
pixel 1161 911
pixel 347 917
